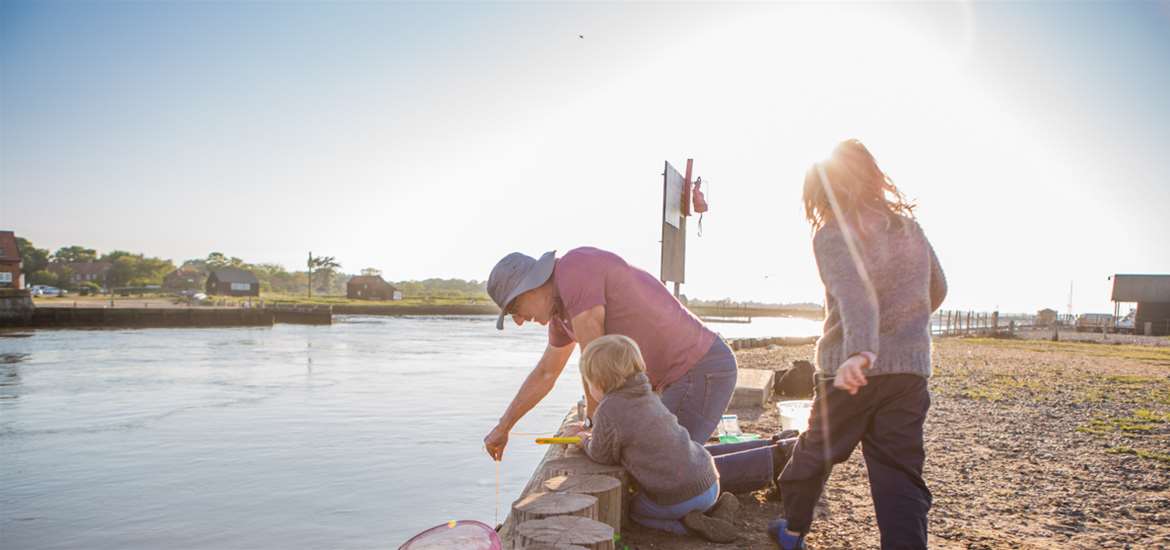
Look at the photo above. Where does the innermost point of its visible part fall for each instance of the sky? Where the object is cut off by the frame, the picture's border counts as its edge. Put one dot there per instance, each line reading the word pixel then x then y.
pixel 429 140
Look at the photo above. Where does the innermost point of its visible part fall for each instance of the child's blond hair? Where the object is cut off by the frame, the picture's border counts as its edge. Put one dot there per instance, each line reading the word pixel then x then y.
pixel 609 360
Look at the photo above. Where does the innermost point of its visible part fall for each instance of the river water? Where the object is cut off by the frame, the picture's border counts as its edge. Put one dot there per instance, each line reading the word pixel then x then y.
pixel 354 435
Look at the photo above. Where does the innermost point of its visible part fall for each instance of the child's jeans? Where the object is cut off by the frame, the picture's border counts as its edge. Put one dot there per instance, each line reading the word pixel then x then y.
pixel 647 513
pixel 886 417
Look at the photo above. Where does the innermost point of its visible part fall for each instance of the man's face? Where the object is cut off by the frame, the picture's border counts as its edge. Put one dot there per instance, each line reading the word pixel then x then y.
pixel 534 305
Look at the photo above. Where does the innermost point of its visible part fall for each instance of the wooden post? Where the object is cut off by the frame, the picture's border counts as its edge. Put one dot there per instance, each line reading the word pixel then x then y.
pixel 968 323
pixel 561 530
pixel 544 505
pixel 607 490
pixel 582 465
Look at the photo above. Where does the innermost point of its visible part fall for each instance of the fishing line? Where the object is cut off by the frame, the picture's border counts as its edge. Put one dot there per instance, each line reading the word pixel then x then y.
pixel 534 434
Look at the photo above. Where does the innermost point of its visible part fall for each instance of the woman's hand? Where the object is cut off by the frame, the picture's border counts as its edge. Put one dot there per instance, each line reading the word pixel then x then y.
pixel 495 441
pixel 850 375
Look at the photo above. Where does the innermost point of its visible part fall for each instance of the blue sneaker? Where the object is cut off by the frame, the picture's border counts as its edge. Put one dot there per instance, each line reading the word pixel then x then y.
pixel 778 530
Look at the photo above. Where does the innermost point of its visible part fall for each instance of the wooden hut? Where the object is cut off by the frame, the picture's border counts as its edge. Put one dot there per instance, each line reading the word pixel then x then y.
pixel 1046 317
pixel 232 281
pixel 371 287
pixel 1151 293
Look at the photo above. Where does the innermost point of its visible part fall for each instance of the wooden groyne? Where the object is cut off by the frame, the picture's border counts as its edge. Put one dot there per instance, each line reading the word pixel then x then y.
pixel 61 317
pixel 733 311
pixel 419 309
pixel 542 515
pixel 302 315
pixel 749 343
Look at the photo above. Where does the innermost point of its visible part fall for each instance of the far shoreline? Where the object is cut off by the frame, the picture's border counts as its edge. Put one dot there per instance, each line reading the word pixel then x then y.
pixel 344 306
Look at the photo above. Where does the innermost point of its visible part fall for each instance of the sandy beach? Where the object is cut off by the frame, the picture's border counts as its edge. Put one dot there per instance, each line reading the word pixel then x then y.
pixel 1030 444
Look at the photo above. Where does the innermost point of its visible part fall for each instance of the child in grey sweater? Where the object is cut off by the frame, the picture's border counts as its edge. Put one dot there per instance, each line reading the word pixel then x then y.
pixel 882 283
pixel 676 477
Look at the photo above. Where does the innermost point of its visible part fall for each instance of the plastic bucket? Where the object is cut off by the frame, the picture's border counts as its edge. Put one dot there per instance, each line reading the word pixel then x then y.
pixel 794 414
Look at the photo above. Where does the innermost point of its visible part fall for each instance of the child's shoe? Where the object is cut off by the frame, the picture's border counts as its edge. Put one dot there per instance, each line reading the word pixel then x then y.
pixel 711 529
pixel 778 531
pixel 725 508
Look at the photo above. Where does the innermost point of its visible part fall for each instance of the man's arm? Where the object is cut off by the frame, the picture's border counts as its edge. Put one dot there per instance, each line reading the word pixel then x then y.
pixel 588 326
pixel 539 382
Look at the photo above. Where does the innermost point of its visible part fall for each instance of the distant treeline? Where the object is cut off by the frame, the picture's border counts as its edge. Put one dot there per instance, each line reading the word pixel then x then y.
pixel 82 268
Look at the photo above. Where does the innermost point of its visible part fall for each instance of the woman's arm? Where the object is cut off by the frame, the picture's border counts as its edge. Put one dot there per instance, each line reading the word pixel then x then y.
pixel 938 281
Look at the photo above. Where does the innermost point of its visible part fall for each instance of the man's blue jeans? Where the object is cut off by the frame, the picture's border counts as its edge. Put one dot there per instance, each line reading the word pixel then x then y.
pixel 701 396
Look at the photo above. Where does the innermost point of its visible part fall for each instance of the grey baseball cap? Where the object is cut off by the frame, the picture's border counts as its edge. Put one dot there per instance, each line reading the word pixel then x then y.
pixel 516 274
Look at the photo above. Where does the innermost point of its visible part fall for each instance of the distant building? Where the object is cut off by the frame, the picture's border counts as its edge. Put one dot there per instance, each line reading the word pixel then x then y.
pixel 371 287
pixel 1046 317
pixel 1151 293
pixel 82 272
pixel 184 278
pixel 10 273
pixel 232 281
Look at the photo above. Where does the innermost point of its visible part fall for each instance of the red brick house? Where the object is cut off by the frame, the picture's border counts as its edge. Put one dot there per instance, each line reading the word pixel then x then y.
pixel 83 272
pixel 371 287
pixel 10 274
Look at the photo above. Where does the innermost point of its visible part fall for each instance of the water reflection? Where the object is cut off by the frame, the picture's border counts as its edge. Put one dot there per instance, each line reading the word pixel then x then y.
pixel 354 435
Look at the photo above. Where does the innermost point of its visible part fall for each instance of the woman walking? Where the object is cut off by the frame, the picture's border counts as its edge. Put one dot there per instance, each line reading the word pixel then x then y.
pixel 882 283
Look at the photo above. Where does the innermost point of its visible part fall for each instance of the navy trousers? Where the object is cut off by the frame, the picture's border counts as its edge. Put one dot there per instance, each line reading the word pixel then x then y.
pixel 886 417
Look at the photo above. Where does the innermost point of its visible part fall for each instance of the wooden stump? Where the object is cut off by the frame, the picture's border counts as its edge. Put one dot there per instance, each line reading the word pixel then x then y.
pixel 606 489
pixel 562 530
pixel 542 505
pixel 573 465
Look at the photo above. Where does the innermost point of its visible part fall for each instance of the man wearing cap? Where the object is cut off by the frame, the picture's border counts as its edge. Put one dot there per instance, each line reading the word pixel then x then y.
pixel 589 293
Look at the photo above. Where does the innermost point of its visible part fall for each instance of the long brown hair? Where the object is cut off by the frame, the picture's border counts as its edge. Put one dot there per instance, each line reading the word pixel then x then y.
pixel 851 178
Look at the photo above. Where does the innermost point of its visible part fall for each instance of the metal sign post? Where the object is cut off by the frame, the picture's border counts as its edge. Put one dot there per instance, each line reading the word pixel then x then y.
pixel 676 206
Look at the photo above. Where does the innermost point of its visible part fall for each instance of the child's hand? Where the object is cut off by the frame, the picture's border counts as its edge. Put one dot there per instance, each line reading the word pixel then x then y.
pixel 584 440
pixel 850 375
pixel 570 430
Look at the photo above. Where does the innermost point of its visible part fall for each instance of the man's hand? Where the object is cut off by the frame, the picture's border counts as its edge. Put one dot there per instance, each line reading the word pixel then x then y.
pixel 495 441
pixel 850 375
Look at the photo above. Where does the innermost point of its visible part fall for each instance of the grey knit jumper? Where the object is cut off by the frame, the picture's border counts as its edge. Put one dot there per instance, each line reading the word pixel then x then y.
pixel 889 315
pixel 634 429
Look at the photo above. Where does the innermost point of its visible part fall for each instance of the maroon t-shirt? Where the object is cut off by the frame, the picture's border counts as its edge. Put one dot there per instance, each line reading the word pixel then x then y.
pixel 636 305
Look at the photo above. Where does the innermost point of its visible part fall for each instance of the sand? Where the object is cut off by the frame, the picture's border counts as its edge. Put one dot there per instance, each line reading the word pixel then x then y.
pixel 1030 444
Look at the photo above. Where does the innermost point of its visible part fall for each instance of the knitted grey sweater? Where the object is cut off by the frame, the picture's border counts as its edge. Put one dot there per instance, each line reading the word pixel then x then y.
pixel 889 315
pixel 633 428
